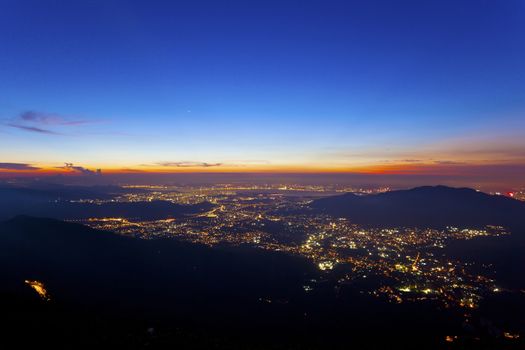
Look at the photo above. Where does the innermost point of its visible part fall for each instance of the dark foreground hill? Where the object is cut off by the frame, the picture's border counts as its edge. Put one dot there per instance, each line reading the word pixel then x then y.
pixel 426 206
pixel 112 291
pixel 95 264
pixel 106 275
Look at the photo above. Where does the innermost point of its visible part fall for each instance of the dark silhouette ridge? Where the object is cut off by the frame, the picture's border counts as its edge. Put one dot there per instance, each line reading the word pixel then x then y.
pixel 48 191
pixel 95 266
pixel 54 202
pixel 427 206
pixel 108 289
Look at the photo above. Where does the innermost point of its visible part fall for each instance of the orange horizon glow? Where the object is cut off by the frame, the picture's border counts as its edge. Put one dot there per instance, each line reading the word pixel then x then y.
pixel 423 168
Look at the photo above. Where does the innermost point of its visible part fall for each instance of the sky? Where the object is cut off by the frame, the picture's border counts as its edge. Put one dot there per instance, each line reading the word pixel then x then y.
pixel 431 88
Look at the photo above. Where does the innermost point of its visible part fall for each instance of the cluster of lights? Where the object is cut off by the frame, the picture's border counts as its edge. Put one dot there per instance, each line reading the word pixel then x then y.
pixel 245 214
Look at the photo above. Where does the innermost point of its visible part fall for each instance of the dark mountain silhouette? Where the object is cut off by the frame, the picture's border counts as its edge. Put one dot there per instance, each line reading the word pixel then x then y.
pixel 425 206
pixel 93 275
pixel 67 255
pixel 109 290
pixel 54 202
pixel 91 267
pixel 45 191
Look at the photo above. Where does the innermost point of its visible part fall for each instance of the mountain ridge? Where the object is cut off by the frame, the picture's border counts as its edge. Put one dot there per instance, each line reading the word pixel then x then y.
pixel 426 205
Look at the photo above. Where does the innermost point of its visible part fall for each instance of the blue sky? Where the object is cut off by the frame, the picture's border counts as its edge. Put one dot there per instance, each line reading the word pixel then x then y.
pixel 313 84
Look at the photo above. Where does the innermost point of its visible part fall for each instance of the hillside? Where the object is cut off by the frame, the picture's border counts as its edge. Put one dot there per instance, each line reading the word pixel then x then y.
pixel 425 206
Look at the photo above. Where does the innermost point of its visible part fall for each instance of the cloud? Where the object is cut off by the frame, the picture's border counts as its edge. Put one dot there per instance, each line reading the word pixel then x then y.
pixel 17 166
pixel 197 164
pixel 44 123
pixel 80 169
pixel 412 160
pixel 49 118
pixel 448 162
pixel 33 129
pixel 189 164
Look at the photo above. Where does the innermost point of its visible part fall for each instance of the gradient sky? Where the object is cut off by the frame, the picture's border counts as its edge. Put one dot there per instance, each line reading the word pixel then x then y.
pixel 405 87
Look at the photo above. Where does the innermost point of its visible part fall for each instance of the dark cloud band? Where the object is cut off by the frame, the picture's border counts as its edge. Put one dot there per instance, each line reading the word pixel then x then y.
pixel 17 166
pixel 188 164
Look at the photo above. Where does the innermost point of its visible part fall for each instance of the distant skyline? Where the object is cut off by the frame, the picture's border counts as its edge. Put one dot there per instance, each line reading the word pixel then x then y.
pixel 402 88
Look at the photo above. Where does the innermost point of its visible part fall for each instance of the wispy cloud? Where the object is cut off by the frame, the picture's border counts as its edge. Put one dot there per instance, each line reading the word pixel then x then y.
pixel 17 166
pixel 448 162
pixel 480 151
pixel 189 164
pixel 44 123
pixel 33 129
pixel 50 118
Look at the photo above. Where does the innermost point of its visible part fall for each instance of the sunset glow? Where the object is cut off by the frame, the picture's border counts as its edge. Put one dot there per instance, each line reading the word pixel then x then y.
pixel 343 99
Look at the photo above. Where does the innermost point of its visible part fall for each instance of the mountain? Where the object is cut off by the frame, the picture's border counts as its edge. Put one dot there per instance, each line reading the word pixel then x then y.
pixel 69 255
pixel 45 191
pixel 95 275
pixel 157 277
pixel 428 206
pixel 111 291
pixel 55 202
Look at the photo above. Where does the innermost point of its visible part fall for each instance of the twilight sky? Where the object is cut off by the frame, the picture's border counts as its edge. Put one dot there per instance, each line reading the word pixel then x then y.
pixel 401 87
